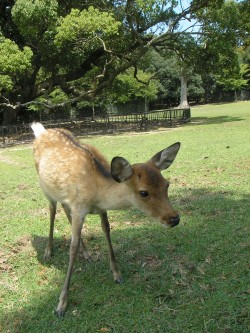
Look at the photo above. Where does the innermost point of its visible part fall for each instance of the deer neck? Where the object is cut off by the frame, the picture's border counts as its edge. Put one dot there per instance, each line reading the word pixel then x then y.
pixel 115 196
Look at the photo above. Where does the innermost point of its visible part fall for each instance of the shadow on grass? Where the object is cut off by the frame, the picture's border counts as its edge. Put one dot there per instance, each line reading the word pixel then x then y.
pixel 175 280
pixel 214 120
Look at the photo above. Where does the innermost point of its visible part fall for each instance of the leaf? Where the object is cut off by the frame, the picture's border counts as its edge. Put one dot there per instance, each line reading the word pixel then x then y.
pixel 105 329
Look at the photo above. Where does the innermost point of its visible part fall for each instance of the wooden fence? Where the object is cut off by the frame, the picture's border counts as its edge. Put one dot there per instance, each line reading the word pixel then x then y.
pixel 108 124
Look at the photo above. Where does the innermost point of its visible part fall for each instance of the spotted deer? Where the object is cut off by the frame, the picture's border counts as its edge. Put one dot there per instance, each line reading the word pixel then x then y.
pixel 80 178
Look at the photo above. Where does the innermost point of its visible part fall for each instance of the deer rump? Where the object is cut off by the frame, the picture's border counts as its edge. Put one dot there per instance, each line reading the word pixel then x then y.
pixel 81 179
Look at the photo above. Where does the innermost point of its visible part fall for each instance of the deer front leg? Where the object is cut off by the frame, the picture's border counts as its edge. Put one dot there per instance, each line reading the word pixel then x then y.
pixel 113 264
pixel 74 247
pixel 49 248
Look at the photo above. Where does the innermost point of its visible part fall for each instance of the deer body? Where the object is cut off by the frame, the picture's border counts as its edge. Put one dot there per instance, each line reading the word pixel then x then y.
pixel 81 179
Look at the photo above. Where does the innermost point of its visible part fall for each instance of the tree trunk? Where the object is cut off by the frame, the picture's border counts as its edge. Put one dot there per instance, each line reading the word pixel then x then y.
pixel 235 96
pixel 9 116
pixel 184 99
pixel 145 105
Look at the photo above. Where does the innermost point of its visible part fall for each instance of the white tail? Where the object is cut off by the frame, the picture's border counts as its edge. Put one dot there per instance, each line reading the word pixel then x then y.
pixel 38 129
pixel 82 180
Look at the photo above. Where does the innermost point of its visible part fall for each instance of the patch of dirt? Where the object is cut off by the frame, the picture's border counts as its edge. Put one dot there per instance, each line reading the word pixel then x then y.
pixel 23 244
pixel 7 160
pixel 9 279
pixel 4 265
pixel 151 262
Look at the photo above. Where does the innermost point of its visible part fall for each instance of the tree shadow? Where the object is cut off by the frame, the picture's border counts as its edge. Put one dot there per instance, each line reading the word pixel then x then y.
pixel 160 266
pixel 213 120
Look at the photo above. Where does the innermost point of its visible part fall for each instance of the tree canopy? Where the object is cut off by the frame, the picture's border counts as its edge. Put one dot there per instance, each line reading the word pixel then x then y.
pixel 79 48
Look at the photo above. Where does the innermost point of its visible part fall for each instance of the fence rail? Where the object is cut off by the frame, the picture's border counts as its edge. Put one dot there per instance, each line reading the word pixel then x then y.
pixel 110 123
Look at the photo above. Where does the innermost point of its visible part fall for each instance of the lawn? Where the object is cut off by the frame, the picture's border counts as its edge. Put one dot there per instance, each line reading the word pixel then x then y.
pixel 193 278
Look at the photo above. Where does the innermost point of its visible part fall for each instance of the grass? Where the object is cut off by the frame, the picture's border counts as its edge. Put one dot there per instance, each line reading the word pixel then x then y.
pixel 192 278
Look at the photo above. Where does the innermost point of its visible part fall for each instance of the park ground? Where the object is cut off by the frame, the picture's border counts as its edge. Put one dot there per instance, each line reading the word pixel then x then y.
pixel 192 278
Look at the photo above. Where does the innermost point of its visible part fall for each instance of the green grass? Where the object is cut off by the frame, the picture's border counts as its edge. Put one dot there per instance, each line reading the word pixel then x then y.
pixel 192 278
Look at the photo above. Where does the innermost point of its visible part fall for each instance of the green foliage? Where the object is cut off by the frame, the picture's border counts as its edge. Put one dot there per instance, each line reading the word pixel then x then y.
pixel 57 96
pixel 149 5
pixel 244 31
pixel 214 52
pixel 34 17
pixel 195 87
pixel 6 83
pixel 148 11
pixel 234 82
pixel 221 29
pixel 167 68
pixel 127 88
pixel 13 63
pixel 164 67
pixel 80 33
pixel 86 24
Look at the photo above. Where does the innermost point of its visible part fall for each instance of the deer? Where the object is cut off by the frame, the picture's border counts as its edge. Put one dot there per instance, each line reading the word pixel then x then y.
pixel 81 179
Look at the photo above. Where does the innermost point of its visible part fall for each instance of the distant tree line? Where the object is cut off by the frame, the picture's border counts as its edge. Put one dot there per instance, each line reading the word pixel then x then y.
pixel 85 57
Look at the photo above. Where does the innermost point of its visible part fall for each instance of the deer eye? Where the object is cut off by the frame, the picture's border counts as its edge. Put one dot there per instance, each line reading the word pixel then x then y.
pixel 143 194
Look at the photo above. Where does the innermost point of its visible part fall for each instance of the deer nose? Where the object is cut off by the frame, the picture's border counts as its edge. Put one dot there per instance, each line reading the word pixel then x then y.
pixel 174 220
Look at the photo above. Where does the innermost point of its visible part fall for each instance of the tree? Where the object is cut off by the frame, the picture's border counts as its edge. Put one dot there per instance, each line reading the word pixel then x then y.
pixel 213 48
pixel 165 66
pixel 234 82
pixel 244 30
pixel 80 47
pixel 187 52
pixel 14 65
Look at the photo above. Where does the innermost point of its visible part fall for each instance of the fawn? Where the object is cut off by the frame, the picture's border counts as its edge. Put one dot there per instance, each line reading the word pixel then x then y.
pixel 81 179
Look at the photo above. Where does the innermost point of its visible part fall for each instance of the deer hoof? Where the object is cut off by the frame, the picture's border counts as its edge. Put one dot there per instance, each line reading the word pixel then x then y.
pixel 86 256
pixel 60 312
pixel 61 309
pixel 118 279
pixel 47 254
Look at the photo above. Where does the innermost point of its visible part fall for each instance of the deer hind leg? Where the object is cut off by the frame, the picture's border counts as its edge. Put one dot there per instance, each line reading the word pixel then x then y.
pixel 77 223
pixel 49 248
pixel 83 252
pixel 113 264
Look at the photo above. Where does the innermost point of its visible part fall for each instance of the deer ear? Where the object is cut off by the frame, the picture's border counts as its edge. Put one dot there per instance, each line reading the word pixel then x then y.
pixel 120 169
pixel 165 158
